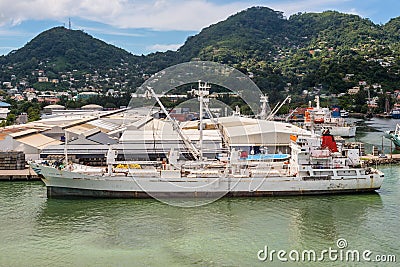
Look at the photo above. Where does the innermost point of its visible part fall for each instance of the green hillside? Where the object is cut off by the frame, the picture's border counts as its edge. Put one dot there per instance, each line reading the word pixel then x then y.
pixel 325 53
pixel 65 50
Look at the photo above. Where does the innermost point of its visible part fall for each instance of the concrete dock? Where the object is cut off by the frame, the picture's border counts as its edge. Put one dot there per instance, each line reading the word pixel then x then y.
pixel 389 159
pixel 19 175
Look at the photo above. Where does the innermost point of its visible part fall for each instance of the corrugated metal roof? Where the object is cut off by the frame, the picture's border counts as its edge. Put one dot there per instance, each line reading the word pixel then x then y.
pixel 66 121
pixel 82 141
pixel 16 131
pixel 55 106
pixel 23 132
pixel 263 133
pixel 104 124
pixel 39 141
pixel 80 129
pixel 102 138
pixel 91 132
pixel 91 106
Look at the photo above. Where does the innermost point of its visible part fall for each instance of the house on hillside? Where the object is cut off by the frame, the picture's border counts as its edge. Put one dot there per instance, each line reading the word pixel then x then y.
pixel 354 90
pixel 4 109
pixel 48 98
pixel 43 79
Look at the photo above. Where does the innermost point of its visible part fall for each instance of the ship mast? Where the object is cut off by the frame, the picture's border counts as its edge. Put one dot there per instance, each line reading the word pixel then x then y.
pixel 317 102
pixel 210 115
pixel 203 92
pixel 264 102
pixel 65 148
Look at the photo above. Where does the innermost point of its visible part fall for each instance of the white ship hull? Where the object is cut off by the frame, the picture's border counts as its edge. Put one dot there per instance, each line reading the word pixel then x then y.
pixel 344 131
pixel 62 183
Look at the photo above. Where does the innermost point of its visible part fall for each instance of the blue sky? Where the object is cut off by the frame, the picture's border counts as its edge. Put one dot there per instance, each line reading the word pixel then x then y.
pixel 142 27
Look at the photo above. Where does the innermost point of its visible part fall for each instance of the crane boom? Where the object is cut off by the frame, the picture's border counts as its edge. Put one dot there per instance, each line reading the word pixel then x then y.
pixel 192 149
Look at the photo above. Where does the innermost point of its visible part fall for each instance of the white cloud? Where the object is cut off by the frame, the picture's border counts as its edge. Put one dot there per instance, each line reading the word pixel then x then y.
pixel 163 47
pixel 354 12
pixel 190 15
pixel 155 14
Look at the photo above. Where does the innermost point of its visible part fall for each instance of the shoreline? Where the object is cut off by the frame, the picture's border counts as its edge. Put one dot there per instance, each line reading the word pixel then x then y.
pixel 370 159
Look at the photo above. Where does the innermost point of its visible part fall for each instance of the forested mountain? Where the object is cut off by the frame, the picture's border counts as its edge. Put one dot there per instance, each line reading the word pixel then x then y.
pixel 254 33
pixel 67 50
pixel 329 52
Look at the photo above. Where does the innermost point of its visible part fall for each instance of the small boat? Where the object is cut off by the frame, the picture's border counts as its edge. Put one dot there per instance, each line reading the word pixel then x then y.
pixel 394 136
pixel 395 113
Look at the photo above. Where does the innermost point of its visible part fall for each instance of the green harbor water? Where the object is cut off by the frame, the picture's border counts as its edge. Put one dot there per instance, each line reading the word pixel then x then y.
pixel 36 231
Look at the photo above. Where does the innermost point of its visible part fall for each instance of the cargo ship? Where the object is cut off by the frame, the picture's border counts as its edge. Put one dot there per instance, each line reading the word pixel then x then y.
pixel 315 165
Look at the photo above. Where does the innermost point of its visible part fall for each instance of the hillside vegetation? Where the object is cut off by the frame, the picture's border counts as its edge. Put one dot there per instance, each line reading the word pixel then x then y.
pixel 324 53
